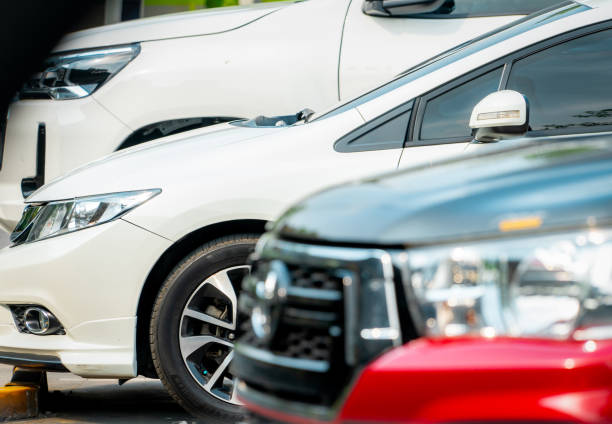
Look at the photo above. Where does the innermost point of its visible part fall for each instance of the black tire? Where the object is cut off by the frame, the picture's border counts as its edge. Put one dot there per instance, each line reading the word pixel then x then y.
pixel 169 327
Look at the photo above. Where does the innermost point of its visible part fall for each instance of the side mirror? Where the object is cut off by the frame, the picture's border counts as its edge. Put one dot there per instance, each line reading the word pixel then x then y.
pixel 501 115
pixel 400 7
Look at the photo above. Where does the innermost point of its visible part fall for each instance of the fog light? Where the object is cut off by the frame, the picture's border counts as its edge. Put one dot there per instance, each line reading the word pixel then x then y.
pixel 39 321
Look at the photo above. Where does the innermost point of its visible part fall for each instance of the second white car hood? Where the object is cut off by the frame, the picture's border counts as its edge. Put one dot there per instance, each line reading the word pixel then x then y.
pixel 153 164
pixel 208 21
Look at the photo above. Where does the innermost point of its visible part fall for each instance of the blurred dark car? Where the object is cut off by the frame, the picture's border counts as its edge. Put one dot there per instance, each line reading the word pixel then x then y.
pixel 477 289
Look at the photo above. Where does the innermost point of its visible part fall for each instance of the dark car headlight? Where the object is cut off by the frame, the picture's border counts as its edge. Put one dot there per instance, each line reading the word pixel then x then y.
pixel 550 286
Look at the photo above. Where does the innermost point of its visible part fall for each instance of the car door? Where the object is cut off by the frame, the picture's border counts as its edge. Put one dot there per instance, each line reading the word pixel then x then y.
pixel 567 86
pixel 376 48
pixel 428 128
pixel 566 83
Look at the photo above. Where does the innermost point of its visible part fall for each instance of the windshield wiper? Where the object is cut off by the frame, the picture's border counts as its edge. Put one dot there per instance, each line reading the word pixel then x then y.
pixel 304 114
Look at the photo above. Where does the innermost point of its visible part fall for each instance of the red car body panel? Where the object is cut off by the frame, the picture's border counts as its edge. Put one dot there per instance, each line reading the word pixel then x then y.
pixel 475 379
pixel 451 380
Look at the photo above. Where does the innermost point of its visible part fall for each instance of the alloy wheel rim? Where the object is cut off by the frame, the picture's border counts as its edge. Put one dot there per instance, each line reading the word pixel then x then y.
pixel 208 329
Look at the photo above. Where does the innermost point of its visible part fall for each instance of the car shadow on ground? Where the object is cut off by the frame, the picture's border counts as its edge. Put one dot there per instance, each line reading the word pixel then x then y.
pixel 137 401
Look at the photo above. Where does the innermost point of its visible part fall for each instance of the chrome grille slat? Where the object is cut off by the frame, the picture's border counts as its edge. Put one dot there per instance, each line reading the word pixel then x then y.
pixel 318 314
pixel 314 294
pixel 299 363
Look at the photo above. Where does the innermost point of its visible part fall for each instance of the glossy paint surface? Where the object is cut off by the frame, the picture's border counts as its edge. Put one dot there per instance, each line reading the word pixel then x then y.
pixel 437 381
pixel 479 380
pixel 92 295
pixel 188 24
pixel 513 178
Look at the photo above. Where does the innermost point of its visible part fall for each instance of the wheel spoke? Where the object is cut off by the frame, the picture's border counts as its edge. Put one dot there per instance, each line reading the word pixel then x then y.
pixel 234 397
pixel 219 371
pixel 190 344
pixel 208 319
pixel 223 283
pixel 222 328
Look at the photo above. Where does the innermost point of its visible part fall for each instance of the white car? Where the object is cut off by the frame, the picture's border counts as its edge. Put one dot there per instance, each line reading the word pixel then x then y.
pixel 132 264
pixel 112 87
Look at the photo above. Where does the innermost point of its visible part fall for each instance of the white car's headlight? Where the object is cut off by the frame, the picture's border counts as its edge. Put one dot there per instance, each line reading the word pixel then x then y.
pixel 55 218
pixel 544 286
pixel 75 75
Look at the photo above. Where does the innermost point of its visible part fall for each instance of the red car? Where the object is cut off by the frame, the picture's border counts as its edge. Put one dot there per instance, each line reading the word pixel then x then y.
pixel 476 380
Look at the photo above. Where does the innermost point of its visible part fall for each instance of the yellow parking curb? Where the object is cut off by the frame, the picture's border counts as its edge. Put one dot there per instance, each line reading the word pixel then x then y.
pixel 18 402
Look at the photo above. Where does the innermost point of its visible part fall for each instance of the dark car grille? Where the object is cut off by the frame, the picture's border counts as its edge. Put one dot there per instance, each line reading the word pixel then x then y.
pixel 294 342
pixel 310 343
pixel 310 328
pixel 314 278
pixel 306 321
pixel 318 299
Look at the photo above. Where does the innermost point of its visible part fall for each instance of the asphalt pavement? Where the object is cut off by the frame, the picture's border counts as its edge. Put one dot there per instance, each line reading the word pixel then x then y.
pixel 73 399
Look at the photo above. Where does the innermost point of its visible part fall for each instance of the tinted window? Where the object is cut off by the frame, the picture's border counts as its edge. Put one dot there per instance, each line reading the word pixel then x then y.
pixel 448 115
pixel 385 132
pixel 568 86
pixel 460 8
pixel 391 133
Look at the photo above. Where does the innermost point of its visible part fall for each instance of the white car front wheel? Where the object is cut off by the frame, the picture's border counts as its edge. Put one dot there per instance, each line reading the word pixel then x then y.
pixel 195 323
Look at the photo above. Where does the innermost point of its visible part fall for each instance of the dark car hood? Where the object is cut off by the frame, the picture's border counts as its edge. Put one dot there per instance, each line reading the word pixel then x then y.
pixel 563 183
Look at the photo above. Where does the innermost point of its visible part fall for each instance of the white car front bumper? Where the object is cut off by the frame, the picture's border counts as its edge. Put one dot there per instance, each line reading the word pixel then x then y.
pixel 91 281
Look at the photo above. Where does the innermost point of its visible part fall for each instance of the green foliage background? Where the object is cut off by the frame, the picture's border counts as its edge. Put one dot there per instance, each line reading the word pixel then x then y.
pixel 195 4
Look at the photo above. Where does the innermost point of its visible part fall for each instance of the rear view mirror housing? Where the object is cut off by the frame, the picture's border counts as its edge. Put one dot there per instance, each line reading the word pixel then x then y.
pixel 400 7
pixel 500 115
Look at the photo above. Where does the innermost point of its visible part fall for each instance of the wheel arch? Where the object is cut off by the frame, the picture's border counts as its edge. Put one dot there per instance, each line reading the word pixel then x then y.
pixel 164 265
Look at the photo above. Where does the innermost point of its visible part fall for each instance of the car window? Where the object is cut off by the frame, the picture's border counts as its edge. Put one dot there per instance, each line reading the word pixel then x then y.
pixel 391 134
pixel 461 51
pixel 387 131
pixel 473 8
pixel 568 86
pixel 447 115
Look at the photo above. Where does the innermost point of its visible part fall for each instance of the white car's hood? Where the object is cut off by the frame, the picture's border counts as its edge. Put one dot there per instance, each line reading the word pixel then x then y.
pixel 149 165
pixel 208 21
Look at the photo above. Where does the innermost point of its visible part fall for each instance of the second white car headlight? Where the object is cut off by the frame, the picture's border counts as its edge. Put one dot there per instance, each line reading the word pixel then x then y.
pixel 557 286
pixel 74 75
pixel 55 218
